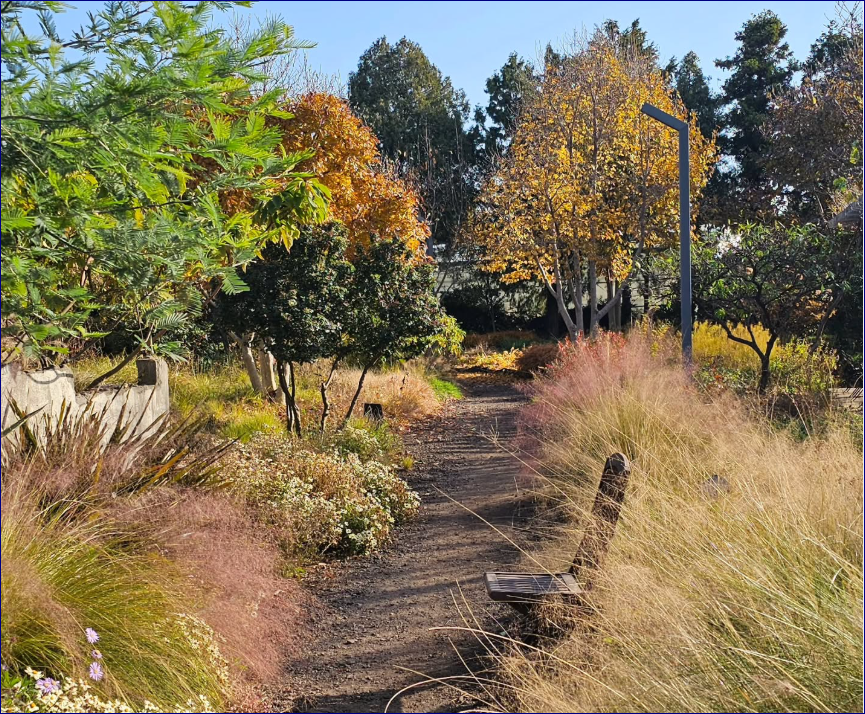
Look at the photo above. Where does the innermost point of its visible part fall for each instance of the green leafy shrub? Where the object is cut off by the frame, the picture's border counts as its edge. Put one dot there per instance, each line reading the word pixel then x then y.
pixel 795 369
pixel 798 370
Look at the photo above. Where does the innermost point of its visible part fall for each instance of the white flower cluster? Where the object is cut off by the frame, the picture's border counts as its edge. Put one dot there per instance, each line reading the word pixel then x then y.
pixel 321 502
pixel 73 695
pixel 201 637
pixel 352 440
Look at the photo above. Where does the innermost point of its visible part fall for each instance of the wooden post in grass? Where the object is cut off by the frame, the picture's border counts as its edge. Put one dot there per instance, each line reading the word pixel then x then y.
pixel 605 516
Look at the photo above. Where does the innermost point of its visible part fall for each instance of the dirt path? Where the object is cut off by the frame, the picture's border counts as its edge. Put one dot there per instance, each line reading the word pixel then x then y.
pixel 374 626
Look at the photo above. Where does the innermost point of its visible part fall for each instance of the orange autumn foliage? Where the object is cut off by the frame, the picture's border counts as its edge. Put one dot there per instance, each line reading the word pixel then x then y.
pixel 366 196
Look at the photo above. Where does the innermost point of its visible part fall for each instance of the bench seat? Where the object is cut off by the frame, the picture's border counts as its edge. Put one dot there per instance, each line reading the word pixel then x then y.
pixel 529 587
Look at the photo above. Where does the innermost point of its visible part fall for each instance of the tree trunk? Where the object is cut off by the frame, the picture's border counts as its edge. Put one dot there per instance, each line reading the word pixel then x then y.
pixel 285 373
pixel 615 311
pixel 593 299
pixel 565 313
pixel 577 290
pixel 579 327
pixel 551 314
pixel 765 371
pixel 325 404
pixel 265 369
pixel 286 391
pixel 647 293
pixel 356 394
pixel 556 289
pixel 765 374
pixel 294 407
pixel 246 356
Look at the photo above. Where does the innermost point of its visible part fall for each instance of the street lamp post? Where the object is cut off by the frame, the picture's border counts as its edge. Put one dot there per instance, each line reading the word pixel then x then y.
pixel 684 221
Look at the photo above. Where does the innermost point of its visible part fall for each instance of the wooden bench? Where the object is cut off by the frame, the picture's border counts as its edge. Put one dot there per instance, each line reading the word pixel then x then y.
pixel 529 587
pixel 521 590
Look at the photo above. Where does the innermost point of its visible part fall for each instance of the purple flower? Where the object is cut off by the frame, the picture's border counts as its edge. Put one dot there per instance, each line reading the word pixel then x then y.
pixel 96 654
pixel 47 685
pixel 91 635
pixel 96 672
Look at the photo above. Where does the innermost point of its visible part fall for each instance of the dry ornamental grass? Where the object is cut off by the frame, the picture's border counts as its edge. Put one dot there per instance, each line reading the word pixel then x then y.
pixel 740 599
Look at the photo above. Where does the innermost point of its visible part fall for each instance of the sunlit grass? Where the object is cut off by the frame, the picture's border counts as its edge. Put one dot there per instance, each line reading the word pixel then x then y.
pixel 62 575
pixel 445 389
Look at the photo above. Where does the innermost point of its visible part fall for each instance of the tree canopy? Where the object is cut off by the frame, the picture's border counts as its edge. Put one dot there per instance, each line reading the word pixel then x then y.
pixel 394 313
pixel 589 181
pixel 696 94
pixel 786 279
pixel 116 163
pixel 507 88
pixel 367 196
pixel 761 67
pixel 295 304
pixel 814 136
pixel 420 120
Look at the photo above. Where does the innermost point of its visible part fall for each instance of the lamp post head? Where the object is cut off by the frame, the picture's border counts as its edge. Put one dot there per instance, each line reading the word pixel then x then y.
pixel 663 117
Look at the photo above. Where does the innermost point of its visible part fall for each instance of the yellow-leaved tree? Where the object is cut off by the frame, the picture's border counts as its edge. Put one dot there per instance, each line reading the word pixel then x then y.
pixel 589 182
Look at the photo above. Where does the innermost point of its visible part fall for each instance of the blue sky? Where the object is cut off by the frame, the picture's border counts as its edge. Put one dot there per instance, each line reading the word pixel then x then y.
pixel 470 40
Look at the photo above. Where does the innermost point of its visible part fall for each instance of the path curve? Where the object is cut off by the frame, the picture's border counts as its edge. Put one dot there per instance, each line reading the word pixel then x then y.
pixel 377 612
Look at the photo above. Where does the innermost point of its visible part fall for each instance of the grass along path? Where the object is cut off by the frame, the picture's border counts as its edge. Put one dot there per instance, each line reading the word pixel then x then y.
pixel 372 634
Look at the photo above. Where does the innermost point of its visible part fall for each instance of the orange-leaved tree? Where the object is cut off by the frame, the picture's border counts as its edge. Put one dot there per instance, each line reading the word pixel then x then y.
pixel 366 196
pixel 589 182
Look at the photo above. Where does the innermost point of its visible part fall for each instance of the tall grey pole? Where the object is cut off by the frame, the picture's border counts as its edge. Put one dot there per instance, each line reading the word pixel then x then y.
pixel 684 222
pixel 685 243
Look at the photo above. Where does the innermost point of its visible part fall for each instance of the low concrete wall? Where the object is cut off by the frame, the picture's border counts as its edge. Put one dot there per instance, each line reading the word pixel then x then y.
pixel 50 389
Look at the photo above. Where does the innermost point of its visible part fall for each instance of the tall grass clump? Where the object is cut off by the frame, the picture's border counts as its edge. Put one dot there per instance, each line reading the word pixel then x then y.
pixel 62 574
pixel 73 561
pixel 736 593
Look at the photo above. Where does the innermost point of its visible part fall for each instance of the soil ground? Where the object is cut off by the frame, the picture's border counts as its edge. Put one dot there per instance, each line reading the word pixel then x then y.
pixel 375 632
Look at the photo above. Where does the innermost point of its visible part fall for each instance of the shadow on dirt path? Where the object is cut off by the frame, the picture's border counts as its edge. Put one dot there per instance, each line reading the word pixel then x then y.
pixel 373 634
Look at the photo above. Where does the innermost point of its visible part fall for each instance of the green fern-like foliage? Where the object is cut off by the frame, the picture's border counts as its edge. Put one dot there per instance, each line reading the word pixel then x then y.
pixel 137 161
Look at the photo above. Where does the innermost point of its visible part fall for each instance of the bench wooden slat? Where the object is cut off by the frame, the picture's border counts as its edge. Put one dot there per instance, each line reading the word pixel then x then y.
pixel 526 587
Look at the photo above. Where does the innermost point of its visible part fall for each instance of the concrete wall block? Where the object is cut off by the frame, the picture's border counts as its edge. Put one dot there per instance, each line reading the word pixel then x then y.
pixel 140 405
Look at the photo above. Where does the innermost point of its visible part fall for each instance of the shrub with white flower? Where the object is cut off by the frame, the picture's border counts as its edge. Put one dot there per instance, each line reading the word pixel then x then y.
pixel 321 502
pixel 201 637
pixel 37 693
pixel 362 442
